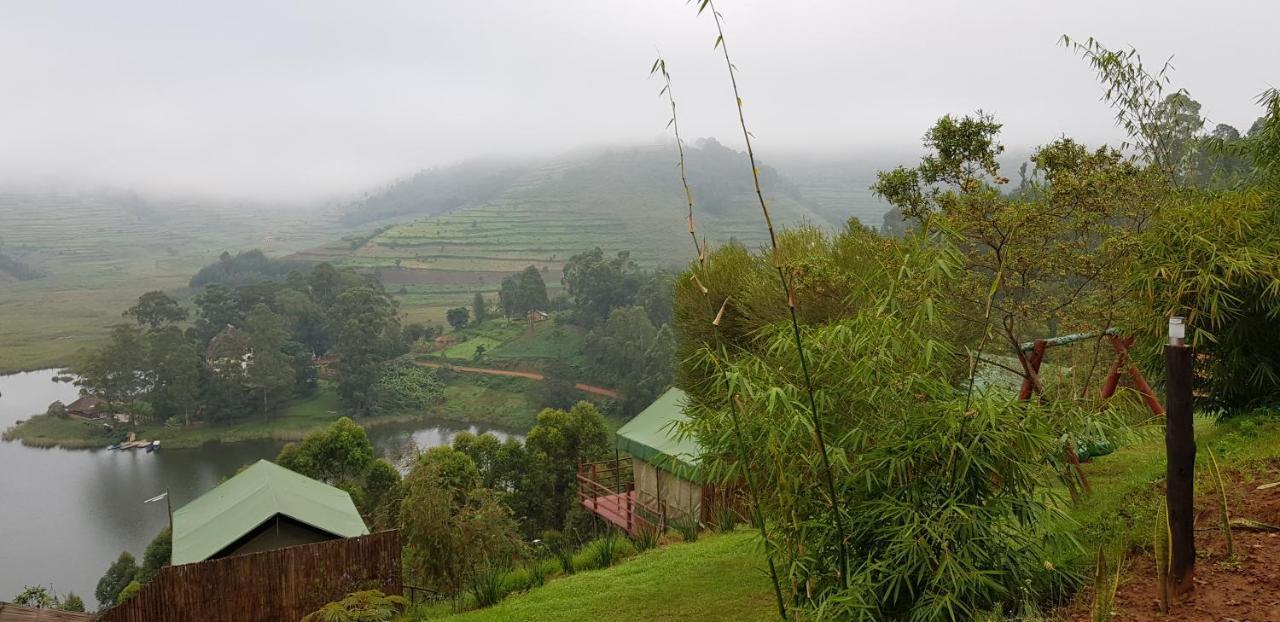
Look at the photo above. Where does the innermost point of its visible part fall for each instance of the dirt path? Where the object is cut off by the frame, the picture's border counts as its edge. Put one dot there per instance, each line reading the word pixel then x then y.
pixel 585 388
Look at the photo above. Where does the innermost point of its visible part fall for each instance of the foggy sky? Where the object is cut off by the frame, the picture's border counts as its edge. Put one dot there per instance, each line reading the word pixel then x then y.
pixel 308 99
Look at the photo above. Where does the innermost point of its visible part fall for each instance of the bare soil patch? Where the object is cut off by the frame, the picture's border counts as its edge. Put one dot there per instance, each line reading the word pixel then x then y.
pixel 1243 588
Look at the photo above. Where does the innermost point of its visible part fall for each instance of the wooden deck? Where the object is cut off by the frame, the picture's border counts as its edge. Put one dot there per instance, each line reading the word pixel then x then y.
pixel 617 508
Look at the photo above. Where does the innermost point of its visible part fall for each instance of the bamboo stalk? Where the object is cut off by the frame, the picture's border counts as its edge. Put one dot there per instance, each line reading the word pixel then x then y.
pixel 837 520
pixel 734 408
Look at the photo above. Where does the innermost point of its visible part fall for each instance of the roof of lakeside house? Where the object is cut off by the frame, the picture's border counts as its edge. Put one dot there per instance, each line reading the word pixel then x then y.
pixel 652 437
pixel 87 404
pixel 239 505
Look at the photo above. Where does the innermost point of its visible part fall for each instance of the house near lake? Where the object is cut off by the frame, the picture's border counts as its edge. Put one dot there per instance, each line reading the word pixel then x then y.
pixel 89 407
pixel 266 545
pixel 657 480
pixel 264 507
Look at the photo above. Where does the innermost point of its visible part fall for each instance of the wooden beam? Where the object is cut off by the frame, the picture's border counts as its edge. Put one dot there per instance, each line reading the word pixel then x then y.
pixel 1180 447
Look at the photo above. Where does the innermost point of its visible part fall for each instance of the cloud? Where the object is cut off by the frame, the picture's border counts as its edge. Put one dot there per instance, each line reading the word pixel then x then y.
pixel 301 100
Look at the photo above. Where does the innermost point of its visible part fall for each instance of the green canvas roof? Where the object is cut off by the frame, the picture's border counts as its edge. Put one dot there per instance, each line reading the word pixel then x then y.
pixel 651 436
pixel 222 515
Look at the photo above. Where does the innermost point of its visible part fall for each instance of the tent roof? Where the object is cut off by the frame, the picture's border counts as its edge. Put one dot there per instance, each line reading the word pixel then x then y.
pixel 651 436
pixel 235 507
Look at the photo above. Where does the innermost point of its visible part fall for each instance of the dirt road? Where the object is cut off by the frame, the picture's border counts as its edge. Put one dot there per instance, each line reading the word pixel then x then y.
pixel 585 388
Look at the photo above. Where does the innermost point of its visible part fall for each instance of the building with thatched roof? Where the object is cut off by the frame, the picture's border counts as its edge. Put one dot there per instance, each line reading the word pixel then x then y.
pixel 89 407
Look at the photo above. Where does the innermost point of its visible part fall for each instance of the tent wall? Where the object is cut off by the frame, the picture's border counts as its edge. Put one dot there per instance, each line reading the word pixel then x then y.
pixel 654 484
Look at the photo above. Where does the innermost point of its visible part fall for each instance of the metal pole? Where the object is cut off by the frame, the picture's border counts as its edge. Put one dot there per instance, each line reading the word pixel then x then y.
pixel 1180 446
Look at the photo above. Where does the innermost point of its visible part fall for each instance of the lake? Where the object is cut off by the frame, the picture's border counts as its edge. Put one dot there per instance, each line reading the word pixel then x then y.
pixel 65 515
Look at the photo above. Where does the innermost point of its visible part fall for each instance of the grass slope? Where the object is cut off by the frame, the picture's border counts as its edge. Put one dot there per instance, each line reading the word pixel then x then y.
pixel 716 578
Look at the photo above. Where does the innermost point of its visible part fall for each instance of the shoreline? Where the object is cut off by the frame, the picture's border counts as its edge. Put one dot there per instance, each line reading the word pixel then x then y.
pixel 197 437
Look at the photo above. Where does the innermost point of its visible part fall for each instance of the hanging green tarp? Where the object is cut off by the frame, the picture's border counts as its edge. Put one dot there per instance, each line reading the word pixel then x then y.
pixel 652 437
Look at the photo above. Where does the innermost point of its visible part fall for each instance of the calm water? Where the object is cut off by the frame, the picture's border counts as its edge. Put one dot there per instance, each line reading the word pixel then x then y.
pixel 65 515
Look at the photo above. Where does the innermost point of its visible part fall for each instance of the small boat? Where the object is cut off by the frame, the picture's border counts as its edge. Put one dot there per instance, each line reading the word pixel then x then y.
pixel 153 447
pixel 115 447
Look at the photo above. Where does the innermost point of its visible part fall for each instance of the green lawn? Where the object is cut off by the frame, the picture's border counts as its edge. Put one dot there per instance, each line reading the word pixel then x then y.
pixel 716 578
pixel 466 350
pixel 1128 484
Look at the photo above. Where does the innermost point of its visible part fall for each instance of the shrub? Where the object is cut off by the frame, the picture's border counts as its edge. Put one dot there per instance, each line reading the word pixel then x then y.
pixel 366 606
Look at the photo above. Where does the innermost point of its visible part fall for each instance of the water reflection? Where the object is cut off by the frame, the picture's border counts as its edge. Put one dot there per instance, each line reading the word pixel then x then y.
pixel 66 515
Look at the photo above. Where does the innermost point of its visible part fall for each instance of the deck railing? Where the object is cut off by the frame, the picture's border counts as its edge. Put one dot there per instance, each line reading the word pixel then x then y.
pixel 608 489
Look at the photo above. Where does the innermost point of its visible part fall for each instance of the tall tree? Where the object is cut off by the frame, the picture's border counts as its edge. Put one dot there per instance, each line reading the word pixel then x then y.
pixel 458 317
pixel 365 328
pixel 597 283
pixel 117 371
pixel 479 309
pixel 269 371
pixel 523 292
pixel 155 309
pixel 174 374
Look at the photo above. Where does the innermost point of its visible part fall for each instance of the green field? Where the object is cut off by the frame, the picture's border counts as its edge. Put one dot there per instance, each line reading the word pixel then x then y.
pixel 100 251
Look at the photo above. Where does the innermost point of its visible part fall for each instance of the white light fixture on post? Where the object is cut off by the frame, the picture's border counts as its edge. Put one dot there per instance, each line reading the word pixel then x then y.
pixel 1177 330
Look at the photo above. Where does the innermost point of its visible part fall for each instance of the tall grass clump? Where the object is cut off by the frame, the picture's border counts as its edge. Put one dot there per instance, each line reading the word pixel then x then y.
pixel 488 584
pixel 1106 581
pixel 646 538
pixel 687 526
pixel 1224 514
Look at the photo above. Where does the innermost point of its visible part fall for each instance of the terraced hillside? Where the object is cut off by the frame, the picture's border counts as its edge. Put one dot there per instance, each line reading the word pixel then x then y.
pixel 98 251
pixel 622 199
pixel 840 189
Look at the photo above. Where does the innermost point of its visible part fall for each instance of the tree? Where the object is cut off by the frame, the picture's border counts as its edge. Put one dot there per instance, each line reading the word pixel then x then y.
pixel 269 370
pixel 155 309
pixel 72 603
pixel 523 292
pixel 554 447
pixel 56 409
pixel 458 317
pixel 339 453
pixel 157 556
pixel 479 309
pixel 116 372
pixel 174 374
pixel 363 321
pixel 598 284
pixel 449 528
pixel 119 575
pixel 636 355
pixel 217 307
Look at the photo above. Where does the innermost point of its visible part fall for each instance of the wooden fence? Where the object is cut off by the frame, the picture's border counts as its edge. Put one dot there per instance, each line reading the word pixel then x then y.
pixel 273 586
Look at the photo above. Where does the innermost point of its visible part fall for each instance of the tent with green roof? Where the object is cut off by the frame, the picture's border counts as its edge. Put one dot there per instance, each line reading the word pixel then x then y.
pixel 652 437
pixel 266 506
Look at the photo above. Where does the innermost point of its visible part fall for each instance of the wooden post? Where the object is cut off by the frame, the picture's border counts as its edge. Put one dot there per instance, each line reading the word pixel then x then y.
pixel 1180 446
pixel 1037 356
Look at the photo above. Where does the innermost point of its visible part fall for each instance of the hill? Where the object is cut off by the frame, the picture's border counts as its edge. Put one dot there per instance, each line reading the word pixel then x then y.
pixel 621 199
